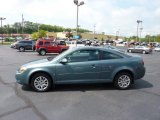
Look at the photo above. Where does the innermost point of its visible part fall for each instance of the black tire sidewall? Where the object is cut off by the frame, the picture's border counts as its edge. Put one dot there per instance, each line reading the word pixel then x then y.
pixel 44 75
pixel 22 50
pixel 41 51
pixel 117 77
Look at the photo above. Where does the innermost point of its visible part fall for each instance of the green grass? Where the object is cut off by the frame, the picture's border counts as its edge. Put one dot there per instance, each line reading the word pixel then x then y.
pixel 5 43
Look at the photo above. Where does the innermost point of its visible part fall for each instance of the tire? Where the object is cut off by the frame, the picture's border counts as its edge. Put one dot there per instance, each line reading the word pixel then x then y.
pixel 143 52
pixel 129 51
pixel 21 49
pixel 41 82
pixel 123 80
pixel 42 52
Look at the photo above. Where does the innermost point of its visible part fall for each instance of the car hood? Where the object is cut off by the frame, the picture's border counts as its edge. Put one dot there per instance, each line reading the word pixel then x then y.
pixel 36 63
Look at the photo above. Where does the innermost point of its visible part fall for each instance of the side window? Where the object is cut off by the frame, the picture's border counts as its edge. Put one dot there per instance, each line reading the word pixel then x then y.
pixel 21 41
pixel 29 42
pixel 47 43
pixel 108 55
pixel 61 43
pixel 41 43
pixel 83 55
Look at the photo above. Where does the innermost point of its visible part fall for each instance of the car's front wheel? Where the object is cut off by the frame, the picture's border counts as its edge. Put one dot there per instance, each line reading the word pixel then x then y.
pixel 123 80
pixel 42 52
pixel 41 82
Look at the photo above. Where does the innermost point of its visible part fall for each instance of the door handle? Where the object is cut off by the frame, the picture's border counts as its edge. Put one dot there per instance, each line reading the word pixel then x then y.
pixel 93 66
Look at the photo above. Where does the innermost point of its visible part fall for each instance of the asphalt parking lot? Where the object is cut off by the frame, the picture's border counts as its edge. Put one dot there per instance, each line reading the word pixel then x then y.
pixel 77 102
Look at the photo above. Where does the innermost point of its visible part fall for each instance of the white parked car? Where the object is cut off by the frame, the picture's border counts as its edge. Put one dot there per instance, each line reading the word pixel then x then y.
pixel 72 44
pixel 157 49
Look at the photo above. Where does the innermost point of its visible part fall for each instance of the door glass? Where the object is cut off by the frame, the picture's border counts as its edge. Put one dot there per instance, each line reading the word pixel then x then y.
pixel 108 55
pixel 83 55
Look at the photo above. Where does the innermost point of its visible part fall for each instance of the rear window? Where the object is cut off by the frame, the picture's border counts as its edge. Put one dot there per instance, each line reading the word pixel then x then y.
pixel 61 43
pixel 47 43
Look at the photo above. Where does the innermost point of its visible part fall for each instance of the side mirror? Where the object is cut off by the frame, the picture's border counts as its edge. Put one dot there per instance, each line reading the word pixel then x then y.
pixel 64 60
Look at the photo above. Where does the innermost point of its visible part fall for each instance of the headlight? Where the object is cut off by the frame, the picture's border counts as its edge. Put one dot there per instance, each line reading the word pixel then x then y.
pixel 22 69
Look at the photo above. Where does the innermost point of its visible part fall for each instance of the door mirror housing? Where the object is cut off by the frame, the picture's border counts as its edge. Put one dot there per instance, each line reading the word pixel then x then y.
pixel 64 60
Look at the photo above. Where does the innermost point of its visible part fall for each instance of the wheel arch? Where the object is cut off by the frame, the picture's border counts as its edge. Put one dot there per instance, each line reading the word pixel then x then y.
pixel 124 70
pixel 37 72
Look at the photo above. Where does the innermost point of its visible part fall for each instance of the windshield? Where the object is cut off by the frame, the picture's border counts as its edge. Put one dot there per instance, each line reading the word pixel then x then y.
pixel 59 56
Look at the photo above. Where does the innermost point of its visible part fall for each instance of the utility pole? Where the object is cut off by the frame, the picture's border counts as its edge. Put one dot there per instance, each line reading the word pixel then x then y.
pixel 1 18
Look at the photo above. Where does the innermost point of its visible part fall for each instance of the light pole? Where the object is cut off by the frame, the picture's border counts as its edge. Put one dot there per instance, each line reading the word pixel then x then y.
pixel 138 21
pixel 94 31
pixel 117 34
pixel 22 24
pixel 1 18
pixel 77 3
pixel 141 28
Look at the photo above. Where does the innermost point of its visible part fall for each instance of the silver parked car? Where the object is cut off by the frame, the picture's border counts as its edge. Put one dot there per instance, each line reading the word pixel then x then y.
pixel 140 49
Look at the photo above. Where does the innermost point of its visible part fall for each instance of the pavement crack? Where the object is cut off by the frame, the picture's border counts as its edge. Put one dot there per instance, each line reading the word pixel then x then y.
pixel 13 111
pixel 29 103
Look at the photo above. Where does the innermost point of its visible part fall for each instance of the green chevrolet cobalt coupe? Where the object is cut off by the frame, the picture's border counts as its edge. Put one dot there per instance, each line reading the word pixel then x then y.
pixel 82 65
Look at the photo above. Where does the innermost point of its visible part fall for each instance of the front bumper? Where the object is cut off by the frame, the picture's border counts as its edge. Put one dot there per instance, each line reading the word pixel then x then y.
pixel 22 78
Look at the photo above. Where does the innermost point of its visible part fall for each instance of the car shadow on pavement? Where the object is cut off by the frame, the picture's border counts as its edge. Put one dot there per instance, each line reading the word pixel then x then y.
pixel 139 84
pixel 27 51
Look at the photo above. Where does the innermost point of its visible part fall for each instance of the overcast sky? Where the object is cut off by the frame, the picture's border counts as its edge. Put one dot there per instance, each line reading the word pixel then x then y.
pixel 108 16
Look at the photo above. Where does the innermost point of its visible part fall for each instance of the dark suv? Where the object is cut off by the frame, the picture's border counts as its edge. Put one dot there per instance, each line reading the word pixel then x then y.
pixel 25 45
pixel 49 46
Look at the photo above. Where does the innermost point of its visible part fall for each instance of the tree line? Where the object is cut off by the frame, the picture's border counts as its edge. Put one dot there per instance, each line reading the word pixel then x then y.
pixel 30 27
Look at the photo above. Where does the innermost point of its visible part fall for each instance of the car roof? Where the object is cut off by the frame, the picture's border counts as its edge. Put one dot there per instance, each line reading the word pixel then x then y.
pixel 92 48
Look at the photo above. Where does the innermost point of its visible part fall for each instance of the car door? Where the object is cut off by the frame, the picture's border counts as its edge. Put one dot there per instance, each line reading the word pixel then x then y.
pixel 110 62
pixel 29 45
pixel 82 66
pixel 55 48
pixel 48 46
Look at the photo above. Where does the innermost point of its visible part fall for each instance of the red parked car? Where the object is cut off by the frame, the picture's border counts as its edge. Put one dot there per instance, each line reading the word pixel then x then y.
pixel 44 46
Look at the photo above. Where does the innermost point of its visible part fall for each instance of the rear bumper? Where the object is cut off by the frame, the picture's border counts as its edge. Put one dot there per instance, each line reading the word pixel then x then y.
pixel 140 72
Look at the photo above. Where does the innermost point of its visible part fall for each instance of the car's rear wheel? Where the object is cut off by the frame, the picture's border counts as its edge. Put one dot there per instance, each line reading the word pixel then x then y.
pixel 123 80
pixel 21 49
pixel 41 82
pixel 144 52
pixel 42 52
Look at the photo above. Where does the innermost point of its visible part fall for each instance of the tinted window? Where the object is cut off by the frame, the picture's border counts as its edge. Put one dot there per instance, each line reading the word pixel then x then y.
pixel 83 55
pixel 21 42
pixel 47 43
pixel 108 55
pixel 28 42
pixel 61 43
pixel 40 43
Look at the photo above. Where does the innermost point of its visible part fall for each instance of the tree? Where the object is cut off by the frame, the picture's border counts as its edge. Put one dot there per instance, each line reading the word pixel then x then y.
pixel 35 36
pixel 42 33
